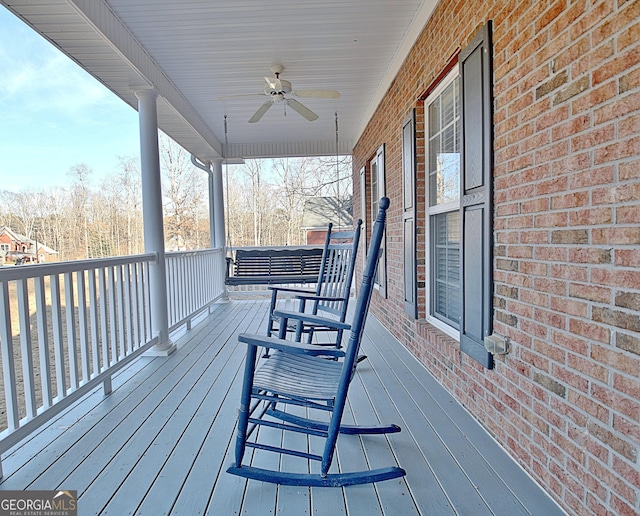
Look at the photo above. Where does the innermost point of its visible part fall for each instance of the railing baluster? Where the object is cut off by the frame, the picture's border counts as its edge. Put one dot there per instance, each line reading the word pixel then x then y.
pixel 127 305
pixel 83 328
pixel 134 305
pixel 121 312
pixel 113 314
pixel 180 291
pixel 8 363
pixel 43 342
pixel 172 294
pixel 186 294
pixel 58 342
pixel 104 318
pixel 71 331
pixel 147 305
pixel 194 299
pixel 26 348
pixel 95 327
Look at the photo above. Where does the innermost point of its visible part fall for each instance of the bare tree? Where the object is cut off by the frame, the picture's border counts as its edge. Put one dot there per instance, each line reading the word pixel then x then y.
pixel 80 202
pixel 53 226
pixel 184 188
pixel 265 204
pixel 24 210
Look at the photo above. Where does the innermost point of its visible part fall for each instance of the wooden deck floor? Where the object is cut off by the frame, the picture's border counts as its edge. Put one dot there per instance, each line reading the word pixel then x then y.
pixel 160 443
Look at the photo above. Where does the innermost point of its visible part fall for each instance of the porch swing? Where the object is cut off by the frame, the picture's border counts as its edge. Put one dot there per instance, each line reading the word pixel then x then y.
pixel 268 266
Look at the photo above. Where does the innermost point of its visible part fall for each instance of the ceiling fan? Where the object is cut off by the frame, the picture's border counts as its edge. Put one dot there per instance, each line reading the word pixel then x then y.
pixel 280 91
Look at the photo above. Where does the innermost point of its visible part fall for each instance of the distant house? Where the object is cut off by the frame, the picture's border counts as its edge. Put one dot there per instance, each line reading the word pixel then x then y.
pixel 18 249
pixel 319 212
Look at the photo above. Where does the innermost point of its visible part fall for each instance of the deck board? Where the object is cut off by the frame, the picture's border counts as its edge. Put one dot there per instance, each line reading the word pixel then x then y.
pixel 160 443
pixel 483 452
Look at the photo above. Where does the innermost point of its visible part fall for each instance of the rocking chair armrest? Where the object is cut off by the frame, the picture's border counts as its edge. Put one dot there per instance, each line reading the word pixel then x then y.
pixel 289 346
pixel 314 297
pixel 312 319
pixel 290 289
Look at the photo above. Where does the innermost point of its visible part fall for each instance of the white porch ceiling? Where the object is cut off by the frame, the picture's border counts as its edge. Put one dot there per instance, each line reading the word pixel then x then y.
pixel 194 51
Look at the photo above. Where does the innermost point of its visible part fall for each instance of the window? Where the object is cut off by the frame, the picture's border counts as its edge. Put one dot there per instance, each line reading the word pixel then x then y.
pixel 442 108
pixel 5 248
pixel 378 191
pixel 459 168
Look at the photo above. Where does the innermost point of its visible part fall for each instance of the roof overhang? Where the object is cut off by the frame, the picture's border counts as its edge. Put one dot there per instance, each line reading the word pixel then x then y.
pixel 191 52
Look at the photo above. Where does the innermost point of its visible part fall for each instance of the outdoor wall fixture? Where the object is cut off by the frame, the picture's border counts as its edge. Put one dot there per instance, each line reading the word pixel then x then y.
pixel 496 344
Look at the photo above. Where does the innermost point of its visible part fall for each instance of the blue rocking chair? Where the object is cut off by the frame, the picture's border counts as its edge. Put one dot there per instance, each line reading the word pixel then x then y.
pixel 303 375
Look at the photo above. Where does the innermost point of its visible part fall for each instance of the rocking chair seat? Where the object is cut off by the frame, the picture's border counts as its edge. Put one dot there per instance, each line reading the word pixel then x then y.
pixel 299 376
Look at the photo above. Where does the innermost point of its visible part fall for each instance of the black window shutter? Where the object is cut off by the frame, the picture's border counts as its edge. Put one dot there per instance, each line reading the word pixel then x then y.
pixel 409 214
pixel 476 195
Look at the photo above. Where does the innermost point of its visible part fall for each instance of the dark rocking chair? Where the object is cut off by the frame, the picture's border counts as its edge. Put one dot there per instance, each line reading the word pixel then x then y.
pixel 333 289
pixel 300 374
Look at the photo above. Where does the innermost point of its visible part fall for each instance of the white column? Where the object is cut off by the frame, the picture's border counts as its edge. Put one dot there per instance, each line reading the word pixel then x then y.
pixel 217 191
pixel 212 211
pixel 216 206
pixel 153 219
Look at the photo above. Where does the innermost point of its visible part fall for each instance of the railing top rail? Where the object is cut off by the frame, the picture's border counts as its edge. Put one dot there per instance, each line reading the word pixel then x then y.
pixel 47 269
pixel 194 252
pixel 275 247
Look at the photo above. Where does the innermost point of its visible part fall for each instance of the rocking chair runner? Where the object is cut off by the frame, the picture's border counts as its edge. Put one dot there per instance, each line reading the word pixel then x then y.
pixel 300 374
pixel 333 289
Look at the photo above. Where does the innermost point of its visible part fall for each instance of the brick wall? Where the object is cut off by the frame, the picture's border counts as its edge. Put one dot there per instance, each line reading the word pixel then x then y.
pixel 566 401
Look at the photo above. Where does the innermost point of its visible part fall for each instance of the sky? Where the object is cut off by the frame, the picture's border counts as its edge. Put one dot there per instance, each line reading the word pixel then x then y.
pixel 54 115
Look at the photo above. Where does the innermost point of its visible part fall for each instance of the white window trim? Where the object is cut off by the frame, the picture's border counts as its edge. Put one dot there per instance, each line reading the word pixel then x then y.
pixel 452 332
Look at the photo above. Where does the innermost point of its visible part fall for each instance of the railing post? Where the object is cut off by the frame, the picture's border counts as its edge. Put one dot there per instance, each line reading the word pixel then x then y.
pixel 152 216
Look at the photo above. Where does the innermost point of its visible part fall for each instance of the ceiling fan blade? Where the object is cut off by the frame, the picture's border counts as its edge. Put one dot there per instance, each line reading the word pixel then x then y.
pixel 303 110
pixel 261 111
pixel 274 83
pixel 318 94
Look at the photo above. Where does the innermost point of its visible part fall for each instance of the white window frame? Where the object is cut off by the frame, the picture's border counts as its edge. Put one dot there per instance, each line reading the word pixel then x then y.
pixel 435 210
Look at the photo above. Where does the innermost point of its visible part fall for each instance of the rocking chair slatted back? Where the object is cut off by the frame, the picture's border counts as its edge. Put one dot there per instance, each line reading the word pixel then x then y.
pixel 333 288
pixel 336 278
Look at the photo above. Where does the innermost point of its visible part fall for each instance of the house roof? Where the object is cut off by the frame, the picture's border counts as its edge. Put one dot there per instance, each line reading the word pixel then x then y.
pixel 320 211
pixel 194 51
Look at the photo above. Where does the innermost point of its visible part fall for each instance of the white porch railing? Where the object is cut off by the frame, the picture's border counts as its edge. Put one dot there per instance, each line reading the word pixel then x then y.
pixel 66 328
pixel 195 280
